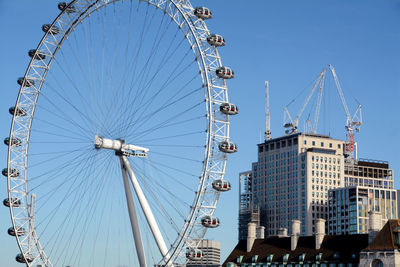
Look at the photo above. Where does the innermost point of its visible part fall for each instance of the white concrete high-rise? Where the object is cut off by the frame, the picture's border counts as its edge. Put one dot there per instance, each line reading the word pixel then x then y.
pixel 291 179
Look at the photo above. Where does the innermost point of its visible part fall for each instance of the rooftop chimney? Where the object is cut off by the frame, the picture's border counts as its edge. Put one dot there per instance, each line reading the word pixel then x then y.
pixel 375 225
pixel 260 232
pixel 319 232
pixel 251 235
pixel 282 232
pixel 294 237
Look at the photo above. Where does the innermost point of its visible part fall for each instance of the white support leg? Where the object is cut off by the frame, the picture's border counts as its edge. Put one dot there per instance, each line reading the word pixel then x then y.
pixel 133 218
pixel 147 212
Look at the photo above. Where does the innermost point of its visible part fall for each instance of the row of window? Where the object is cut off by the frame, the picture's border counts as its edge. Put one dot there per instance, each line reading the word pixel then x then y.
pixel 322 144
pixel 277 145
pixel 325 159
pixel 323 166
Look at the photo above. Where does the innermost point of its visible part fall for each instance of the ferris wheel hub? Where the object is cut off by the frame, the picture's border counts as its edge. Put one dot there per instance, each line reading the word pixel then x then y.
pixel 120 147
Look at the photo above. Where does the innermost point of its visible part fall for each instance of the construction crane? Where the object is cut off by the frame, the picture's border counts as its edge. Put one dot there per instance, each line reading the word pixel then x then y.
pixel 268 135
pixel 352 123
pixel 291 125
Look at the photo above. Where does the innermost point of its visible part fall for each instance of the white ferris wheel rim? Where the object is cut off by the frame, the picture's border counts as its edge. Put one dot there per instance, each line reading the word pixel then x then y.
pixel 217 131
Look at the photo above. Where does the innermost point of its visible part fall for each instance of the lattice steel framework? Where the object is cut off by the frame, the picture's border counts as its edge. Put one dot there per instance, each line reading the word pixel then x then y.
pixel 215 89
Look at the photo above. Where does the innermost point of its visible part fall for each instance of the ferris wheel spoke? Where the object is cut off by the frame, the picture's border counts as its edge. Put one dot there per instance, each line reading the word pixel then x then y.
pixel 135 99
pixel 166 122
pixel 81 190
pixel 163 138
pixel 66 118
pixel 157 93
pixel 57 126
pixel 166 125
pixel 84 118
pixel 164 106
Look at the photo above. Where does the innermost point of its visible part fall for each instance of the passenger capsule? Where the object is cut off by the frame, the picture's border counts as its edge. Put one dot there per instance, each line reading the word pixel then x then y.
pixel 229 109
pixel 210 221
pixel 225 73
pixel 26 82
pixel 216 40
pixel 227 147
pixel 13 142
pixel 20 258
pixel 50 29
pixel 203 13
pixel 194 253
pixel 20 231
pixel 17 111
pixel 15 202
pixel 13 173
pixel 63 5
pixel 39 55
pixel 221 185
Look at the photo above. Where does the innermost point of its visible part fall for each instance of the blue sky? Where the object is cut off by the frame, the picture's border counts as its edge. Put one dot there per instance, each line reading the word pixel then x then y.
pixel 286 42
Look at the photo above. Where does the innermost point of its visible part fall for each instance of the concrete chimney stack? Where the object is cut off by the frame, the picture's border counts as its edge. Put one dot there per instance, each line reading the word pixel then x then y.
pixel 251 235
pixel 375 225
pixel 294 237
pixel 260 232
pixel 319 232
pixel 282 232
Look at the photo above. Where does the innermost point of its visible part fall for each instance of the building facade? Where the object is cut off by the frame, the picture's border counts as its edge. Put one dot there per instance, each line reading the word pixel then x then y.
pixel 349 208
pixel 368 187
pixel 291 179
pixel 211 254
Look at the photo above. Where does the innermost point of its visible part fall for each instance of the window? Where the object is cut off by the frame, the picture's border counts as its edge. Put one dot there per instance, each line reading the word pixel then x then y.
pixel 338 146
pixel 322 144
pixel 377 263
pixel 313 143
pixel 330 145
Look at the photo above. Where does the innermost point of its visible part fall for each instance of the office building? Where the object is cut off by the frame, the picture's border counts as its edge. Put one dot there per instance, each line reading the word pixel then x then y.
pixel 291 179
pixel 349 207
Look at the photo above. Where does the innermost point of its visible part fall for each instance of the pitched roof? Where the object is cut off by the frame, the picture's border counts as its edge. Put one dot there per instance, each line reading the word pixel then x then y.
pixel 345 245
pixel 385 238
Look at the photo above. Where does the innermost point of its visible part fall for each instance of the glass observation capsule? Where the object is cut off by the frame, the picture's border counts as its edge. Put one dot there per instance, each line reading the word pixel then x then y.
pixel 210 221
pixel 227 147
pixel 15 202
pixel 203 13
pixel 229 109
pixel 17 111
pixel 20 258
pixel 64 5
pixel 221 185
pixel 13 173
pixel 25 82
pixel 194 253
pixel 225 73
pixel 39 55
pixel 216 40
pixel 13 142
pixel 20 231
pixel 50 29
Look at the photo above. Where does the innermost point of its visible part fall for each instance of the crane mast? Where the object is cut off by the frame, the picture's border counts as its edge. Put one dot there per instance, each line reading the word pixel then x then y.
pixel 356 120
pixel 268 135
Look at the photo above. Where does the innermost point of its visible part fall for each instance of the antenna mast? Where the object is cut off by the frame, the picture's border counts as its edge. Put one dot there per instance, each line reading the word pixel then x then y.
pixel 268 135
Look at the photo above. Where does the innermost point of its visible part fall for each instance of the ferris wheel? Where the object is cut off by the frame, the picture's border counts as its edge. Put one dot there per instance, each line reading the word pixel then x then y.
pixel 119 95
